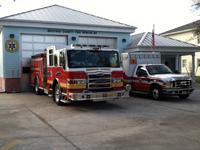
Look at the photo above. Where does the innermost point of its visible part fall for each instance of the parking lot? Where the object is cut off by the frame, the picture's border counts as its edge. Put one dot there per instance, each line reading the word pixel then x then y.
pixel 30 122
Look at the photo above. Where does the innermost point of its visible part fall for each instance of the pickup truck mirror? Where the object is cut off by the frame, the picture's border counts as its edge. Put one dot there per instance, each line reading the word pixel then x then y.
pixel 177 72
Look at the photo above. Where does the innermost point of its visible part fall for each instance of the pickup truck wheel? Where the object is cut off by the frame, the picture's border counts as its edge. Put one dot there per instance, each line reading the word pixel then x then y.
pixel 57 95
pixel 156 93
pixel 184 96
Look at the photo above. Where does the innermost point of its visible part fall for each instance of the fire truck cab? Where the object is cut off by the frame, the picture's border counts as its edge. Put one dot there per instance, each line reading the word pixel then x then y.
pixel 77 74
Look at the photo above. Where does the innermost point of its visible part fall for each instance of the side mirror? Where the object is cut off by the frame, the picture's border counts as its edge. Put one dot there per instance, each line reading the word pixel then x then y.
pixel 176 72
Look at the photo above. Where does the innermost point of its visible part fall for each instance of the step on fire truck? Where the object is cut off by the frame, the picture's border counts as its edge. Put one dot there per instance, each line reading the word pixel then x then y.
pixel 77 74
pixel 145 73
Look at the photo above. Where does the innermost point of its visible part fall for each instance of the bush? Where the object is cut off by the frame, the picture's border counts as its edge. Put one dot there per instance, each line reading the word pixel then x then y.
pixel 197 79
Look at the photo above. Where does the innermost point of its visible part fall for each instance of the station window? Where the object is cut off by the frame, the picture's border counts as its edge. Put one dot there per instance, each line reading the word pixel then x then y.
pixel 62 60
pixel 184 63
pixel 55 60
pixel 198 39
pixel 26 70
pixel 198 62
pixel 51 57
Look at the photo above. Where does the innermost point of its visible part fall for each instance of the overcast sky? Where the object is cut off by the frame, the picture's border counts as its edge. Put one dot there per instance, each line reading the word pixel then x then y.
pixel 165 14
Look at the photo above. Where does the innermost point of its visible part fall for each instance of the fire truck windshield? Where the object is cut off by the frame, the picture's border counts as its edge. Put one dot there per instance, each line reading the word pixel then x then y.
pixel 92 58
pixel 158 69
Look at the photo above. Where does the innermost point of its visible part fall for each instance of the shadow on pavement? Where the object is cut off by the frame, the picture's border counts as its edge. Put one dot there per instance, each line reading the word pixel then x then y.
pixel 89 105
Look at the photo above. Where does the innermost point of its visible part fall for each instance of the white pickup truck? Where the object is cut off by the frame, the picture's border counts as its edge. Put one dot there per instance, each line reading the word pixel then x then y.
pixel 146 74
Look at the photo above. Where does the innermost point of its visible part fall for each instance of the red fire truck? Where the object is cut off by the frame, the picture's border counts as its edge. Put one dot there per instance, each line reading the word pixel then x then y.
pixel 76 74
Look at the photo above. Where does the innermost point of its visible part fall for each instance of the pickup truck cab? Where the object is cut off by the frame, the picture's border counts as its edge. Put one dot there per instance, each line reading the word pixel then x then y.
pixel 158 80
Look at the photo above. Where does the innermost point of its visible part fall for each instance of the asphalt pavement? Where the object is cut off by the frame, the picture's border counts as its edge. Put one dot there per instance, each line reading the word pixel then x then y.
pixel 31 122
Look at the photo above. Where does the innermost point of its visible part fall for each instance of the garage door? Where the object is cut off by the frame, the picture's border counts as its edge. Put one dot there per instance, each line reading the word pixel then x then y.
pixel 34 44
pixel 105 42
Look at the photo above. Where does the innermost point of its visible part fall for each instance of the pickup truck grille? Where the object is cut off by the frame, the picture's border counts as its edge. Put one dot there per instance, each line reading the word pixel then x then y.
pixel 182 83
pixel 99 81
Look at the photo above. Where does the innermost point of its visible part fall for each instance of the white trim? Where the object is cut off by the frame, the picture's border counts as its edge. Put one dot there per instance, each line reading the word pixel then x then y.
pixel 142 39
pixel 177 32
pixel 67 26
pixel 94 69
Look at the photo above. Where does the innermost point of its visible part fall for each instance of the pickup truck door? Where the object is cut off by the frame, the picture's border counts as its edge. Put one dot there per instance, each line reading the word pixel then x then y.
pixel 141 80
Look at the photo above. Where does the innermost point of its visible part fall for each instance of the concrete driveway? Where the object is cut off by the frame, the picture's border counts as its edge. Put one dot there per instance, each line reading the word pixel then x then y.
pixel 30 122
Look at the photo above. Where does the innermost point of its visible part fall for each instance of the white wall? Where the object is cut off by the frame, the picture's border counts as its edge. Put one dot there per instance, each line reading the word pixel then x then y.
pixel 190 38
pixel 1 53
pixel 2 81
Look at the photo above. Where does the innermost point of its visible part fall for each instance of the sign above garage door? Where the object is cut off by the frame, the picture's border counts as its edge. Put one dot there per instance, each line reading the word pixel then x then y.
pixel 104 42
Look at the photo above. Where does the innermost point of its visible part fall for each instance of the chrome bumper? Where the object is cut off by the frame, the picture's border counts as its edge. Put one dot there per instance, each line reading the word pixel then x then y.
pixel 98 96
pixel 178 91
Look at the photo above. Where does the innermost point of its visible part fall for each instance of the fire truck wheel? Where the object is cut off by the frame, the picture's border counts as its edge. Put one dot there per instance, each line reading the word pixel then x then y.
pixel 36 88
pixel 184 96
pixel 57 95
pixel 156 92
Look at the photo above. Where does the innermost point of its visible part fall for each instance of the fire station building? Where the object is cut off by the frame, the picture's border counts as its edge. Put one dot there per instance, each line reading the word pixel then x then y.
pixel 25 34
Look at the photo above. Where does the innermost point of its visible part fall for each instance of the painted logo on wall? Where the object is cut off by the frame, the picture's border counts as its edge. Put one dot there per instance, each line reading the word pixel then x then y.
pixel 12 45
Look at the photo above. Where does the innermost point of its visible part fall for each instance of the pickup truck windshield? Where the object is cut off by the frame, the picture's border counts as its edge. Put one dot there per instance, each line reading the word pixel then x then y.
pixel 92 58
pixel 158 69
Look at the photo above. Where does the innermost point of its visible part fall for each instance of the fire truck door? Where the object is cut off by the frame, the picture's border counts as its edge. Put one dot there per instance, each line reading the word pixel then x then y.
pixel 45 72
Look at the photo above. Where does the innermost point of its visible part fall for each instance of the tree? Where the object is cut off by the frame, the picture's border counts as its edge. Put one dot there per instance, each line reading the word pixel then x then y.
pixel 196 4
pixel 196 7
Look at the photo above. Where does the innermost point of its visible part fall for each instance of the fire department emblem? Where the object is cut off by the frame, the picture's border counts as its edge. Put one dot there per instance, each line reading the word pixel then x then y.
pixel 12 45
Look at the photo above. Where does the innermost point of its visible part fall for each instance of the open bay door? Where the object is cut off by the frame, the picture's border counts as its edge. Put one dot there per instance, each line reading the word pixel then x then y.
pixel 34 44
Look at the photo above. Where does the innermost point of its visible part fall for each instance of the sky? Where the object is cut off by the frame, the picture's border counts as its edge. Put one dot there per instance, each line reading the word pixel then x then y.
pixel 165 14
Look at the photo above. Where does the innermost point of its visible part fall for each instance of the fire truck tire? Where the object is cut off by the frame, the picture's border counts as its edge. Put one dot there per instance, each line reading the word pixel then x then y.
pixel 131 93
pixel 184 96
pixel 156 92
pixel 57 95
pixel 36 87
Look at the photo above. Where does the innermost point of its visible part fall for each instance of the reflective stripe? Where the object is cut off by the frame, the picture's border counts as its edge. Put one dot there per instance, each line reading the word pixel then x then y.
pixel 35 69
pixel 75 86
pixel 49 81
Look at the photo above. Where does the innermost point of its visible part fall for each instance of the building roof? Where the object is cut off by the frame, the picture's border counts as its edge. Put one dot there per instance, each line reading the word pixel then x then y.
pixel 145 40
pixel 60 14
pixel 183 28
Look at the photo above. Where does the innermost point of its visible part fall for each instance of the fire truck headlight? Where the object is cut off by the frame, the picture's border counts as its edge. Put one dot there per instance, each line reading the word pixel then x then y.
pixel 117 80
pixel 128 87
pixel 81 81
pixel 76 81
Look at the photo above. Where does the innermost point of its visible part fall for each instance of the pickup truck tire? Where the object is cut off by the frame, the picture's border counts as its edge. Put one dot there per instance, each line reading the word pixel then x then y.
pixel 57 95
pixel 156 92
pixel 184 96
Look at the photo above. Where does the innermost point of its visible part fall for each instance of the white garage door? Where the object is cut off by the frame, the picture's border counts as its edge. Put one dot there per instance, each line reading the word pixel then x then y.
pixel 34 44
pixel 106 42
